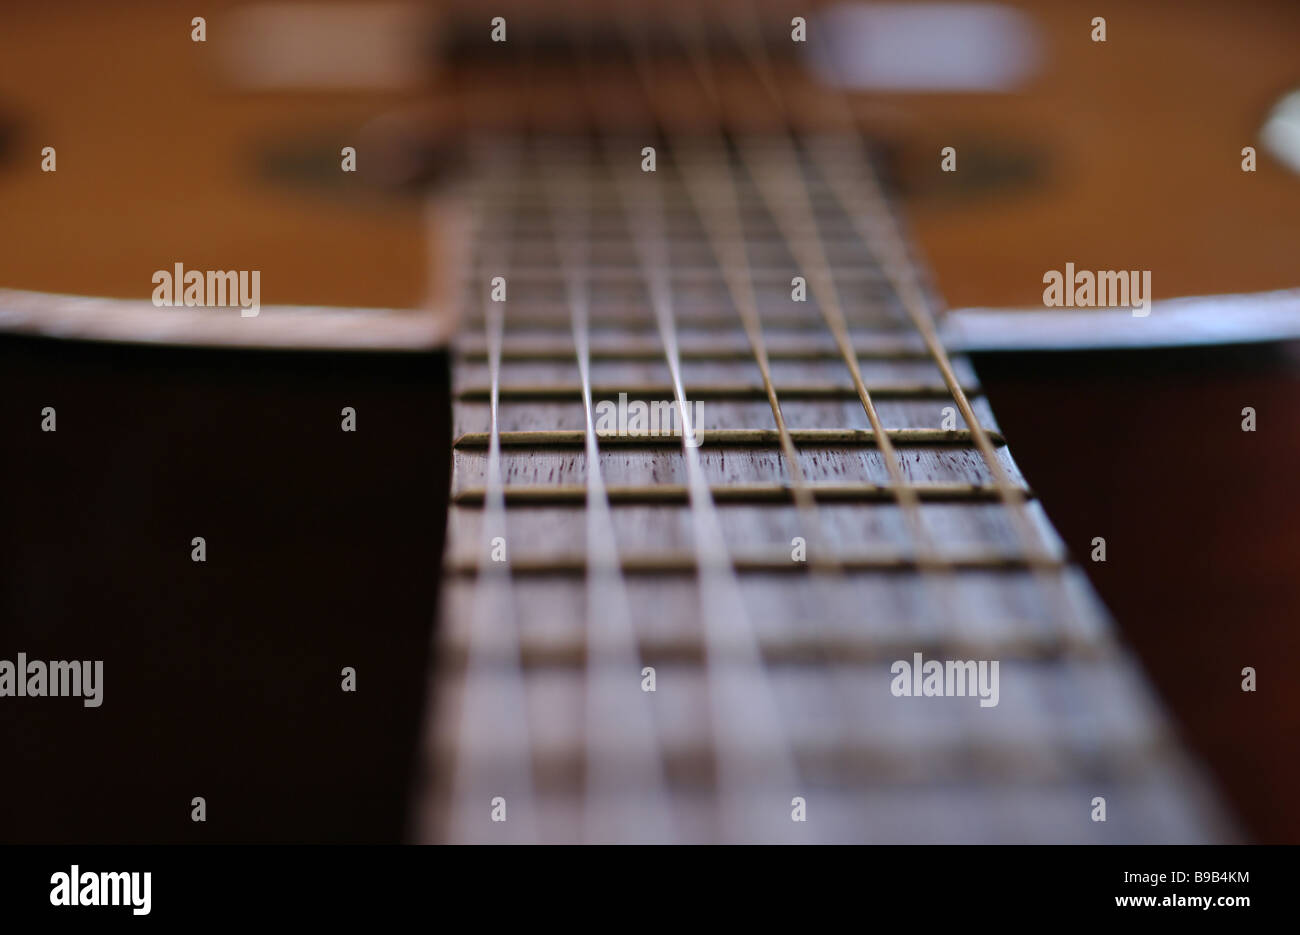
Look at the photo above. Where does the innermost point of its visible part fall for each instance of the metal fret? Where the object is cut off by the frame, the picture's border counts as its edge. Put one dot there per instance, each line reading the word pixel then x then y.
pixel 776 562
pixel 695 353
pixel 734 493
pixel 738 391
pixel 1018 641
pixel 568 439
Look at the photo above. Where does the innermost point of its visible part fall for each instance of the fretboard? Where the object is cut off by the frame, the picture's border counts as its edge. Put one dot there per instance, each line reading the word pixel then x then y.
pixel 721 502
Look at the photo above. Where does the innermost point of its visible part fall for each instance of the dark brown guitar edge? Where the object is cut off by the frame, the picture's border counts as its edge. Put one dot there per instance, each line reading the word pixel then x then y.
pixel 322 549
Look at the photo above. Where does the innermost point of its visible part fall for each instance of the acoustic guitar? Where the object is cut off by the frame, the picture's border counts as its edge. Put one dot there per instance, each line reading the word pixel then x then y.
pixel 624 299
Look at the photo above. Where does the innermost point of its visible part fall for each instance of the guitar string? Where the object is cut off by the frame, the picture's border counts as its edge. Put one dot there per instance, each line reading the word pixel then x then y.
pixel 706 170
pixel 721 220
pixel 785 187
pixel 624 760
pixel 792 208
pixel 778 175
pixel 887 243
pixel 841 335
pixel 494 747
pixel 753 759
pixel 713 195
pixel 901 276
pixel 748 31
pixel 1075 635
pixel 944 598
pixel 494 727
pixel 884 241
pixel 811 251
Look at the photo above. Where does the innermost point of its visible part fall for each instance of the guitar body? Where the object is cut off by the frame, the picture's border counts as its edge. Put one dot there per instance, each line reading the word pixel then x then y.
pixel 222 677
pixel 705 641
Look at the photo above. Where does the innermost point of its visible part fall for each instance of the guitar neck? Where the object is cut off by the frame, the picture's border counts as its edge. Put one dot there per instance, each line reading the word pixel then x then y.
pixel 722 506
